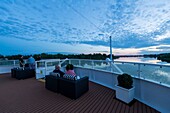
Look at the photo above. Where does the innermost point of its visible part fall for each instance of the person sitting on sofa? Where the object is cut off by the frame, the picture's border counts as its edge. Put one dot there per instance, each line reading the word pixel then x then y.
pixel 57 70
pixel 70 70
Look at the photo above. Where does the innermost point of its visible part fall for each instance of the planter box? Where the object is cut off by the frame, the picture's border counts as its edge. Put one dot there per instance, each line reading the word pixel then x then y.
pixel 125 95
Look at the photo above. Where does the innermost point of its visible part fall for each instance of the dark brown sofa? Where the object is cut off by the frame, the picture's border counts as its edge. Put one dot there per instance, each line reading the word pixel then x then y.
pixel 73 88
pixel 70 88
pixel 52 83
pixel 19 73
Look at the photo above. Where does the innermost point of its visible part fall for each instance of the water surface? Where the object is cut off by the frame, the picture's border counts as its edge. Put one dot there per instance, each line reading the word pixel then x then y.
pixel 141 60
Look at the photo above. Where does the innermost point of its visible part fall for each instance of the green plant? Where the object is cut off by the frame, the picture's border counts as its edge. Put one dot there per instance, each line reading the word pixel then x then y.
pixel 125 81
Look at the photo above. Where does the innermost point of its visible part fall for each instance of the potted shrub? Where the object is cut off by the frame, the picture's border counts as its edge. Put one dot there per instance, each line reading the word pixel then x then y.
pixel 125 89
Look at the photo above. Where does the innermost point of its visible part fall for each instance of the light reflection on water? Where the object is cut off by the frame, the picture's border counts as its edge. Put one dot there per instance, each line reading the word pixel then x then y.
pixel 141 60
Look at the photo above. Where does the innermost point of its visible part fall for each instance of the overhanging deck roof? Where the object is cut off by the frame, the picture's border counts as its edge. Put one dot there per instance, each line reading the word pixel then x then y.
pixel 30 96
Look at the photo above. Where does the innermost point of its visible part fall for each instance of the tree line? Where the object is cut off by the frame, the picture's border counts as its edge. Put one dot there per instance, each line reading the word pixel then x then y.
pixel 95 56
pixel 164 57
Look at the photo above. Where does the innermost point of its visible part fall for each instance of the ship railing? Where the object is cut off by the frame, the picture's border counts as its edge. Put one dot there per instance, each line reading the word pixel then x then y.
pixel 153 72
pixel 159 73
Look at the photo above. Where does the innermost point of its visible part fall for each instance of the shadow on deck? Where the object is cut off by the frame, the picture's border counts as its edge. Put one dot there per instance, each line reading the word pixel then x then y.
pixel 30 96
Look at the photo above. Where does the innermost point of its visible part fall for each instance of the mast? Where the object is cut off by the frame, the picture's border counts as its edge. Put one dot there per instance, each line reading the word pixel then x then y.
pixel 110 48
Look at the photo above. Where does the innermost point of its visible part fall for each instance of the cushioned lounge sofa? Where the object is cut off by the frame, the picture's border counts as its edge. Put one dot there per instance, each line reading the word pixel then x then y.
pixel 52 83
pixel 70 88
pixel 22 73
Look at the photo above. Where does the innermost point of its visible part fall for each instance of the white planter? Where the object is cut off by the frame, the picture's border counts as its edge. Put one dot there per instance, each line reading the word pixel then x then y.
pixel 125 95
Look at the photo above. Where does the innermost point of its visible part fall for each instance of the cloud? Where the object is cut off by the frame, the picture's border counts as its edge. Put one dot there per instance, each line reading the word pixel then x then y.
pixel 155 49
pixel 132 24
pixel 162 36
pixel 148 16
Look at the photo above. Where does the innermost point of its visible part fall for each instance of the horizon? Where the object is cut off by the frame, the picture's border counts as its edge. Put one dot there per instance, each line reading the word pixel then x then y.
pixel 67 53
pixel 41 26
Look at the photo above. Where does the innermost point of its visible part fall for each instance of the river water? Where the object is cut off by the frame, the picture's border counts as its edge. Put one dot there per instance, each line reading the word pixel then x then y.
pixel 142 60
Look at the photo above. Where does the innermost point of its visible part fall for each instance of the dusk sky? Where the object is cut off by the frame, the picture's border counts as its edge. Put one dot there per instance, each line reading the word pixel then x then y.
pixel 84 26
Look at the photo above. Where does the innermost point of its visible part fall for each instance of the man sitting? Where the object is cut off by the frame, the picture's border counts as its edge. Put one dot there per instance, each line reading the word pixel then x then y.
pixel 57 70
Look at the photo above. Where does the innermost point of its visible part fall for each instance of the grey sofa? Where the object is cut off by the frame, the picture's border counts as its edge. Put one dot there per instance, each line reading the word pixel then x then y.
pixel 70 88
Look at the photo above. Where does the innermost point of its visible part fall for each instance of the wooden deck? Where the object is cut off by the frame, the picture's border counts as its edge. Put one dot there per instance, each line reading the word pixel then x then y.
pixel 30 96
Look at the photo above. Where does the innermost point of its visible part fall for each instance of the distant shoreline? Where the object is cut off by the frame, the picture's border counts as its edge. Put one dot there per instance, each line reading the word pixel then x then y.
pixel 165 57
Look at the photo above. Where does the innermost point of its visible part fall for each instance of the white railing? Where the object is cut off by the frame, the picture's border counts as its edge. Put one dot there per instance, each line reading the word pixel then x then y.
pixel 44 67
pixel 103 65
pixel 7 65
pixel 152 72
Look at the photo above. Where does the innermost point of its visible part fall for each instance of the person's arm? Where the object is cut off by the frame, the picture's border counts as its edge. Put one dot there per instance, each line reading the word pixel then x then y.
pixel 62 73
pixel 54 70
pixel 22 63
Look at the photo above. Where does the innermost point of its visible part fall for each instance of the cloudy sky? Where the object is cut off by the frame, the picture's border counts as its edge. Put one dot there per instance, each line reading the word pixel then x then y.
pixel 84 26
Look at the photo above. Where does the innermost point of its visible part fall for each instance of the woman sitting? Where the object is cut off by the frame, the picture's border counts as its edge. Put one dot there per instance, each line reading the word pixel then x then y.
pixel 69 70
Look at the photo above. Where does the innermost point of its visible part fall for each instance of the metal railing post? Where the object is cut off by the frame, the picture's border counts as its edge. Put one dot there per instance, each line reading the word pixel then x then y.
pixel 69 61
pixel 35 65
pixel 79 62
pixel 92 64
pixel 139 70
pixel 45 67
pixel 14 63
pixel 110 66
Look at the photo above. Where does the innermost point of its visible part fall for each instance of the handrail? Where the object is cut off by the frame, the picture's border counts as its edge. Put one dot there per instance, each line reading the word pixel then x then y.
pixel 120 71
pixel 165 65
pixel 153 72
pixel 63 61
pixel 140 70
pixel 49 60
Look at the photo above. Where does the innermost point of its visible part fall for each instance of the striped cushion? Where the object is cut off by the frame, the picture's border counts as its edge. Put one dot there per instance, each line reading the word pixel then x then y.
pixel 71 77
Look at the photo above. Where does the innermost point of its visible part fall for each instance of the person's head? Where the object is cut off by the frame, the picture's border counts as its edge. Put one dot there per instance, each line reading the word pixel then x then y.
pixel 69 67
pixel 57 67
pixel 21 56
